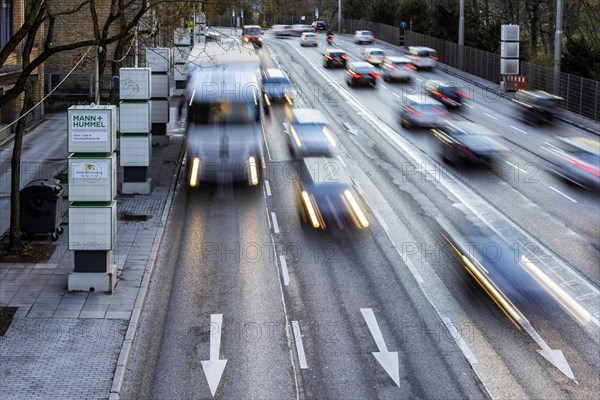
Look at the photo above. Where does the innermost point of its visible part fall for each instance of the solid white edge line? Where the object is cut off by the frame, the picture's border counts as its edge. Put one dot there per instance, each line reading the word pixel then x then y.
pixel 462 345
pixel 379 219
pixel 342 161
pixel 299 345
pixel 514 166
pixel 519 130
pixel 561 193
pixel 268 187
pixel 490 116
pixel 284 270
pixel 266 143
pixel 275 224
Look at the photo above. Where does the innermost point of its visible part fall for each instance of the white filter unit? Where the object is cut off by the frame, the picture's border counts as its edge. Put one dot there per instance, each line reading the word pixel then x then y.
pixel 135 83
pixel 136 151
pixel 92 178
pixel 509 67
pixel 160 86
pixel 180 72
pixel 181 54
pixel 182 37
pixel 92 227
pixel 135 117
pixel 92 129
pixel 160 111
pixel 158 59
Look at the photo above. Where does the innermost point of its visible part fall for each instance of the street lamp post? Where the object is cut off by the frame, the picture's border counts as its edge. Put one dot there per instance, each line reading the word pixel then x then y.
pixel 461 34
pixel 558 47
pixel 339 16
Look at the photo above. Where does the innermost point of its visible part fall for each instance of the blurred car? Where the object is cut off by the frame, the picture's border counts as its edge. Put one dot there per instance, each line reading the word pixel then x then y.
pixel 466 141
pixel 447 93
pixel 397 69
pixel 361 73
pixel 326 196
pixel 212 34
pixel 577 159
pixel 363 37
pixel 299 29
pixel 282 30
pixel 252 34
pixel 275 88
pixel 309 39
pixel 537 106
pixel 319 25
pixel 334 58
pixel 423 57
pixel 374 55
pixel 309 134
pixel 494 265
pixel 421 111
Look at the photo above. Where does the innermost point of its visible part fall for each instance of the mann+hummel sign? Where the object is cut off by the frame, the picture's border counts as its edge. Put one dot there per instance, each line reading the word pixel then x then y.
pixel 92 129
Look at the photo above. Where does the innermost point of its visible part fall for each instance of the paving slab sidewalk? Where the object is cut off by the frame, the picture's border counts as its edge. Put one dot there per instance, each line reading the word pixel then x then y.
pixel 68 344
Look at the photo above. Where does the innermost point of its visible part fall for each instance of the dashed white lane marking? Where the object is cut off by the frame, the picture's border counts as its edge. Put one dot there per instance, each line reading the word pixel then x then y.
pixel 396 94
pixel 379 219
pixel 268 187
pixel 275 224
pixel 454 333
pixel 284 271
pixel 561 193
pixel 519 130
pixel 385 87
pixel 468 105
pixel 419 79
pixel 342 161
pixel 299 345
pixel 490 116
pixel 514 166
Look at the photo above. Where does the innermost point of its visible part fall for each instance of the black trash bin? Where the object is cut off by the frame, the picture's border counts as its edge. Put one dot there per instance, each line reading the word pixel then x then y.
pixel 41 208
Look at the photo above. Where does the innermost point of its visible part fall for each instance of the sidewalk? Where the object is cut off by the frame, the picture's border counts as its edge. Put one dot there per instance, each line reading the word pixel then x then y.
pixel 69 345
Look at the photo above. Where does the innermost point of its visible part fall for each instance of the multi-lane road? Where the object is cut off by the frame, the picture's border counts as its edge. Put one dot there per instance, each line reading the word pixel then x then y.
pixel 248 303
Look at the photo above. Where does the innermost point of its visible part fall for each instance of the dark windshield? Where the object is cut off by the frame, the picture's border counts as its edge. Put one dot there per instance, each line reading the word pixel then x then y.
pixel 251 31
pixel 223 113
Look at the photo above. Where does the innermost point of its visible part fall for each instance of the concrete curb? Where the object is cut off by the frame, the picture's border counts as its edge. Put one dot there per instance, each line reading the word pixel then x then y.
pixel 123 361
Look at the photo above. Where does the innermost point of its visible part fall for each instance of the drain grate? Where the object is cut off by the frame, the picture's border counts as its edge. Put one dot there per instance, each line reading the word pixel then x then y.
pixel 134 217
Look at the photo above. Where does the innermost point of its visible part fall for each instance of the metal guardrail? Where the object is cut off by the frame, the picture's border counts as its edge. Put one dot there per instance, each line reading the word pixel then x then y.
pixel 580 95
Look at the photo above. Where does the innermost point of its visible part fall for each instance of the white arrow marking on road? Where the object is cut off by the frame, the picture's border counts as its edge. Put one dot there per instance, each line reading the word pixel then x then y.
pixel 213 368
pixel 387 359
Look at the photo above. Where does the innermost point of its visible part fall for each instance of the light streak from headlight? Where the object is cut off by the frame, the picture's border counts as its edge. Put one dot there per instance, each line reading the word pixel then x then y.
pixel 356 209
pixel 556 291
pixel 192 97
pixel 267 99
pixel 295 135
pixel 253 171
pixel 195 170
pixel 312 214
pixel 329 136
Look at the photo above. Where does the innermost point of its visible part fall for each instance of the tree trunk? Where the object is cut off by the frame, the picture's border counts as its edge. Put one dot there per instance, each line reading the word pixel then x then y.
pixel 15 174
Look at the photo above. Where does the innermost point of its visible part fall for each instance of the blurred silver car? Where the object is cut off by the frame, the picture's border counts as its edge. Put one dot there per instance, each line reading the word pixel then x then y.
pixel 577 159
pixel 374 55
pixel 422 111
pixel 363 37
pixel 310 134
pixel 397 68
pixel 466 141
pixel 309 39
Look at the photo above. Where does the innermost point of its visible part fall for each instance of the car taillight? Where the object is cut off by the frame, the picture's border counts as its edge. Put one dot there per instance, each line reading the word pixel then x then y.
pixel 374 75
pixel 314 38
pixel 393 67
pixel 329 57
pixel 411 67
pixel 356 76
pixel 372 37
pixel 444 113
pixel 584 166
pixel 413 111
pixel 303 38
pixel 435 92
pixel 461 94
pixel 434 57
pixel 344 57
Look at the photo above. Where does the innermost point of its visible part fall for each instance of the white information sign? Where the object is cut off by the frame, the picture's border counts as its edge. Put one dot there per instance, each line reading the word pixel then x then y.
pixel 90 171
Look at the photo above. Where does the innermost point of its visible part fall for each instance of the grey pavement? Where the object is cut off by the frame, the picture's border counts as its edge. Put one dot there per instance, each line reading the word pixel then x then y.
pixel 69 344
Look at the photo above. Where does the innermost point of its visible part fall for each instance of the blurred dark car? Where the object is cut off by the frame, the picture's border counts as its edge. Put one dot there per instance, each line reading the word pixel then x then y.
pixel 275 88
pixel 327 197
pixel 537 106
pixel 361 73
pixel 310 134
pixel 422 112
pixel 465 141
pixel 447 93
pixel 504 274
pixel 212 34
pixel 334 58
pixel 319 25
pixel 577 159
pixel 252 34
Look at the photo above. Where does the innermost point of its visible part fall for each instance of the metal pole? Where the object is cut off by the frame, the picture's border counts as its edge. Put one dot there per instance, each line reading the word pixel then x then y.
pixel 461 34
pixel 97 77
pixel 339 16
pixel 558 46
pixel 136 48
